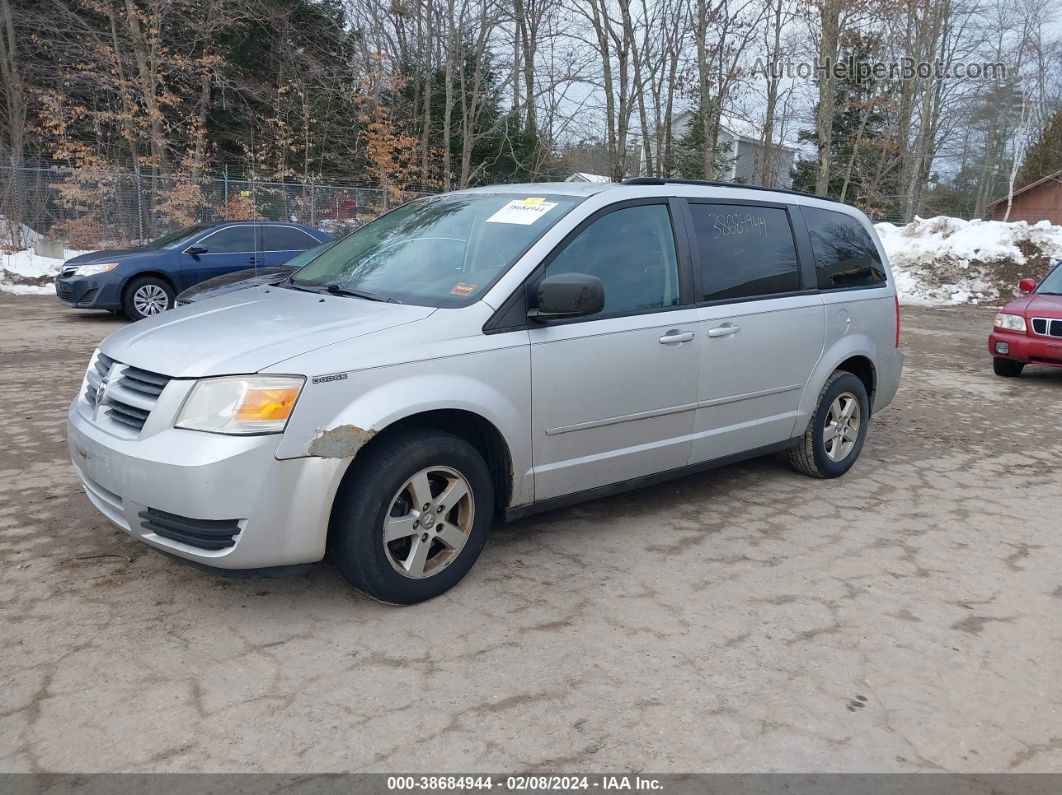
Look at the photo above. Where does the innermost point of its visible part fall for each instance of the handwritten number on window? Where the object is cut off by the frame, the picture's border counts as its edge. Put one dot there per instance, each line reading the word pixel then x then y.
pixel 738 224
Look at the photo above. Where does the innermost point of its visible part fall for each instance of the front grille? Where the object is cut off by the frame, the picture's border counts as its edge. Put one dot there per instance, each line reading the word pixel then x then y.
pixel 201 533
pixel 144 381
pixel 128 394
pixel 127 415
pixel 1047 327
pixel 64 291
pixel 98 370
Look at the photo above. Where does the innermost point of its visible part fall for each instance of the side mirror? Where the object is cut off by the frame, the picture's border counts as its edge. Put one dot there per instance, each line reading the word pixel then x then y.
pixel 1027 285
pixel 195 251
pixel 568 295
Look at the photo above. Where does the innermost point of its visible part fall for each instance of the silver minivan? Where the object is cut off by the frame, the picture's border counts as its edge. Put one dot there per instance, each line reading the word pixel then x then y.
pixel 480 355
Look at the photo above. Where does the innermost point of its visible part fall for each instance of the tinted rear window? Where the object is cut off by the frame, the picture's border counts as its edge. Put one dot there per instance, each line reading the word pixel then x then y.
pixel 285 238
pixel 746 251
pixel 845 254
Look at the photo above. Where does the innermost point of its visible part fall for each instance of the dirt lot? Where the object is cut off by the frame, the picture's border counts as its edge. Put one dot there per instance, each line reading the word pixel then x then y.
pixel 905 617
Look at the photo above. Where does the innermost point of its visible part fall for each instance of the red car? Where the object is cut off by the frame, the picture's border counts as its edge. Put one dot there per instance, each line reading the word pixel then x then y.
pixel 1028 330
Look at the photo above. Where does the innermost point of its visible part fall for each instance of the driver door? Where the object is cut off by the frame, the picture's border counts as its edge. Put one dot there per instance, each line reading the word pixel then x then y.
pixel 232 248
pixel 613 394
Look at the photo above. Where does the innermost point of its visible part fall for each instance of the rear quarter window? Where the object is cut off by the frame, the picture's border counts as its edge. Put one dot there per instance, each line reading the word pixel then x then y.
pixel 286 238
pixel 845 254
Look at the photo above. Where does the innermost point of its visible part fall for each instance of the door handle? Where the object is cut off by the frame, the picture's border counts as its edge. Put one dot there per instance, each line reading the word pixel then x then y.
pixel 724 330
pixel 252 260
pixel 675 336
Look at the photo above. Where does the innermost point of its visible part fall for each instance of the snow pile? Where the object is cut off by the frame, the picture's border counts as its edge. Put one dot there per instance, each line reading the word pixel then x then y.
pixel 26 273
pixel 946 260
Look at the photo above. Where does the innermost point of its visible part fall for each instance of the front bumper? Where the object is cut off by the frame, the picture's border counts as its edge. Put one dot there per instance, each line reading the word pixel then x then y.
pixel 89 292
pixel 1028 349
pixel 281 507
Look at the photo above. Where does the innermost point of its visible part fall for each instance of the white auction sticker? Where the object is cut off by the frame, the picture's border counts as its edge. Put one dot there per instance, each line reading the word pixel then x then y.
pixel 522 211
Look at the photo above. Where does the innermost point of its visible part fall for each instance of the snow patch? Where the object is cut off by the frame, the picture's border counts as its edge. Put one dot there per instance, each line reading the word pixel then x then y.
pixel 945 260
pixel 27 273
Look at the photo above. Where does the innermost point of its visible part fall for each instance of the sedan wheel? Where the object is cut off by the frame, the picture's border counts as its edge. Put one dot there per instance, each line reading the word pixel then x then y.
pixel 150 299
pixel 146 296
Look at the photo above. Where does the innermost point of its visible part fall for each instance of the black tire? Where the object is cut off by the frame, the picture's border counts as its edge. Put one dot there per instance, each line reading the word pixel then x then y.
pixel 1008 368
pixel 148 283
pixel 810 456
pixel 365 500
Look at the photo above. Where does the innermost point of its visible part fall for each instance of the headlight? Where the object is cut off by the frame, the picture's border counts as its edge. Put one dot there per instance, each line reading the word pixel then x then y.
pixel 241 404
pixel 94 268
pixel 1010 322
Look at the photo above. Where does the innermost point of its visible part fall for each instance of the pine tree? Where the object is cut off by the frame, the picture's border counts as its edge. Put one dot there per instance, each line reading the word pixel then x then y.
pixel 1045 156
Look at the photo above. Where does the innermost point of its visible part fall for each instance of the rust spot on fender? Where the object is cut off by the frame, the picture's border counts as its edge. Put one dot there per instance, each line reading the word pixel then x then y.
pixel 341 442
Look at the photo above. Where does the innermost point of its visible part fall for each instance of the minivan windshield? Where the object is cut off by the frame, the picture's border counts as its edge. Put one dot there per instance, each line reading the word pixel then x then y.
pixel 438 251
pixel 175 239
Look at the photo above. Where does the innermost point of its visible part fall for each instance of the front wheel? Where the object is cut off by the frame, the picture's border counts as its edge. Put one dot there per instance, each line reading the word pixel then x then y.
pixel 1008 368
pixel 837 429
pixel 145 296
pixel 412 516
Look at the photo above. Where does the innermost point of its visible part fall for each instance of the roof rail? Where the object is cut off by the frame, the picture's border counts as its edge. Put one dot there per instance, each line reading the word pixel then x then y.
pixel 711 184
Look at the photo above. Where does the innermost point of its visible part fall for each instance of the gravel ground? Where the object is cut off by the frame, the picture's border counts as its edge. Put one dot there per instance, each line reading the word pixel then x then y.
pixel 903 618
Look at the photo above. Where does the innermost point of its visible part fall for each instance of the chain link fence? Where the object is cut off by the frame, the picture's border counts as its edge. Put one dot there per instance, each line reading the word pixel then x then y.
pixel 82 209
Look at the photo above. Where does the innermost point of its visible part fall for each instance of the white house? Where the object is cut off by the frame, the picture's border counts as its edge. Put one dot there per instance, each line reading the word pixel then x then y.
pixel 741 143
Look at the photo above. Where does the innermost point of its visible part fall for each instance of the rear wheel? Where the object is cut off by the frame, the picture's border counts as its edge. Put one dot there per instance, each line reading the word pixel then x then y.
pixel 412 516
pixel 1008 368
pixel 836 432
pixel 145 296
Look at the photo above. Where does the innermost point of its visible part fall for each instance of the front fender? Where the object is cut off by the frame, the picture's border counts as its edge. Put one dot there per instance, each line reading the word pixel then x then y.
pixel 335 419
pixel 165 266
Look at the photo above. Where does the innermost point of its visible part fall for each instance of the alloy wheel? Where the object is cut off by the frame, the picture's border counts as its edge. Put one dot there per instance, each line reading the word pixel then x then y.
pixel 842 427
pixel 150 299
pixel 429 522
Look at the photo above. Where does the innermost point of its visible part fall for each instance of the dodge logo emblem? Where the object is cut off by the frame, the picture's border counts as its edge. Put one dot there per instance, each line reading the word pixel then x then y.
pixel 101 391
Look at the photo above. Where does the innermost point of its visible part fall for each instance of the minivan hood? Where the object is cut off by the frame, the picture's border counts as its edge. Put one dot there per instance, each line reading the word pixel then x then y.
pixel 248 330
pixel 237 280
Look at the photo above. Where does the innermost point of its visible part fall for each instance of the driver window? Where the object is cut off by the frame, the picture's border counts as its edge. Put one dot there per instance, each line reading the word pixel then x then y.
pixel 632 252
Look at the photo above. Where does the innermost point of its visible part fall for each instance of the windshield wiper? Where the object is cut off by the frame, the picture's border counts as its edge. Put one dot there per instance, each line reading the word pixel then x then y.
pixel 336 289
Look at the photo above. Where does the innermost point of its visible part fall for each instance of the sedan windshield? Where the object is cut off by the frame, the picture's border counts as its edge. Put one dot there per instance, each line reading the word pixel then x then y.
pixel 1052 283
pixel 175 239
pixel 439 251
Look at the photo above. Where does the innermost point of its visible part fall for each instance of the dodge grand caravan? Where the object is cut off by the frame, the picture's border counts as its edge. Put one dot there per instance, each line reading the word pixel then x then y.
pixel 480 355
